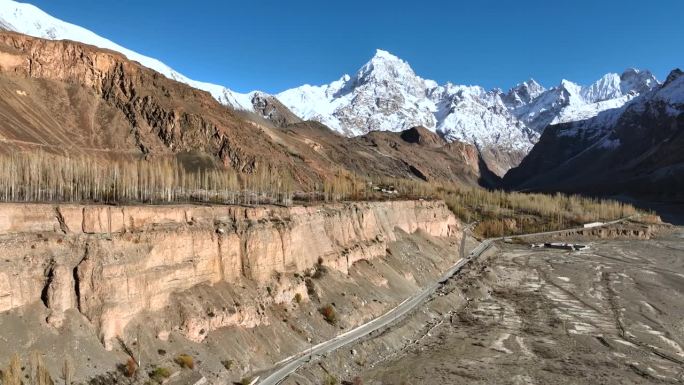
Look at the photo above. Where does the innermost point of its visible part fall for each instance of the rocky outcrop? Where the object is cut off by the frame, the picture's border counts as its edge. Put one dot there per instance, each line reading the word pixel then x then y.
pixel 272 109
pixel 422 135
pixel 114 263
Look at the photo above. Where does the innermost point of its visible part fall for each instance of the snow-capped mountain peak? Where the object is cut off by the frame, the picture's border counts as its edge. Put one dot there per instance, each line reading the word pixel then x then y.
pixel 523 93
pixel 637 81
pixel 569 86
pixel 387 69
pixel 386 94
pixel 384 67
pixel 608 87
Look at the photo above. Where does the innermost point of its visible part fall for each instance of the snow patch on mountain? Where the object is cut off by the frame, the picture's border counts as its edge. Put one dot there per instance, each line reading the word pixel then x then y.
pixel 5 25
pixel 30 20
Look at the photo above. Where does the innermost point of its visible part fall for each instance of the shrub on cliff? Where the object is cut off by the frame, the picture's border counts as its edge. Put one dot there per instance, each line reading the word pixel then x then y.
pixel 319 271
pixel 160 374
pixel 329 313
pixel 185 361
pixel 129 368
pixel 228 364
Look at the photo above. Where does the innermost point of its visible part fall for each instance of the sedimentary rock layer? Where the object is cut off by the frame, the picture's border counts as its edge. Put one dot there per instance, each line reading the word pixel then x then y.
pixel 113 263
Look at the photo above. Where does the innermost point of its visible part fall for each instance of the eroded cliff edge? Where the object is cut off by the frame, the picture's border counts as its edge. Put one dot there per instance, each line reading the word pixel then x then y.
pixel 191 270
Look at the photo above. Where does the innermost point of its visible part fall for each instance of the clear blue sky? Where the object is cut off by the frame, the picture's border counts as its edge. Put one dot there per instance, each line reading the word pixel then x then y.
pixel 273 45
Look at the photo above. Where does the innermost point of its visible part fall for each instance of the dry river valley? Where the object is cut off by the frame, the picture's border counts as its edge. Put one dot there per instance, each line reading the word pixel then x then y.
pixel 611 314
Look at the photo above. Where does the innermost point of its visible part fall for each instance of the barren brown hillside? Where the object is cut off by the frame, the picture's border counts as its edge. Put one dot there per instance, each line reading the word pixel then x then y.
pixel 70 98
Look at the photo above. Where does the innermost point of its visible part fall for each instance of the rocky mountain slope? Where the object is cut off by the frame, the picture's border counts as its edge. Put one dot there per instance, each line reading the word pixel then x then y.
pixel 70 98
pixel 635 149
pixel 385 94
pixel 30 20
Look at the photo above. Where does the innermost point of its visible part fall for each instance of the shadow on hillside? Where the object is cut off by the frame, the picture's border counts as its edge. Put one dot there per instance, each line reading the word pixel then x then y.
pixel 487 178
pixel 670 212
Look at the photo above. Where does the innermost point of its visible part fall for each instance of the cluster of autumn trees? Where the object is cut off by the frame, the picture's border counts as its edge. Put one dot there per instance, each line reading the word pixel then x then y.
pixel 507 213
pixel 44 177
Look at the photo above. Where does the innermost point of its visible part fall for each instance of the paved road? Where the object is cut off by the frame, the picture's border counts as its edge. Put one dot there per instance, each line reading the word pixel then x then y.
pixel 291 364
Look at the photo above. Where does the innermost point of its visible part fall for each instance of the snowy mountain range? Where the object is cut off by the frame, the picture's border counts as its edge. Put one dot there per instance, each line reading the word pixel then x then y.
pixel 386 94
pixel 570 102
pixel 634 149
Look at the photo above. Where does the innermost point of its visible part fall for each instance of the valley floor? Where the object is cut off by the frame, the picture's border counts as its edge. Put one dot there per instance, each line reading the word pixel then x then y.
pixel 611 314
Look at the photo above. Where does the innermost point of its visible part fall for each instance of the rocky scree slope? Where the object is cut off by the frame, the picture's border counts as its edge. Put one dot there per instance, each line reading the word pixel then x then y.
pixel 635 149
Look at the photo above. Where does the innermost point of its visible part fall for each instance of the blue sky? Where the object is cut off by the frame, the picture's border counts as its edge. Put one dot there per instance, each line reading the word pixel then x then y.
pixel 273 45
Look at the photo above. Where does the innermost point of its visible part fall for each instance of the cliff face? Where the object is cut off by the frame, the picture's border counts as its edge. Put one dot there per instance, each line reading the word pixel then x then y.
pixel 114 263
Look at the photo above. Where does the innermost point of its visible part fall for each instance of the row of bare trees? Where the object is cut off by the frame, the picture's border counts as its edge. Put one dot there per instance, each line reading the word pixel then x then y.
pixel 44 177
pixel 37 371
pixel 508 213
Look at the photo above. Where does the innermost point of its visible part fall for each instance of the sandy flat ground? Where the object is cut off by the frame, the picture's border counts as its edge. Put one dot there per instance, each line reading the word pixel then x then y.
pixel 613 314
